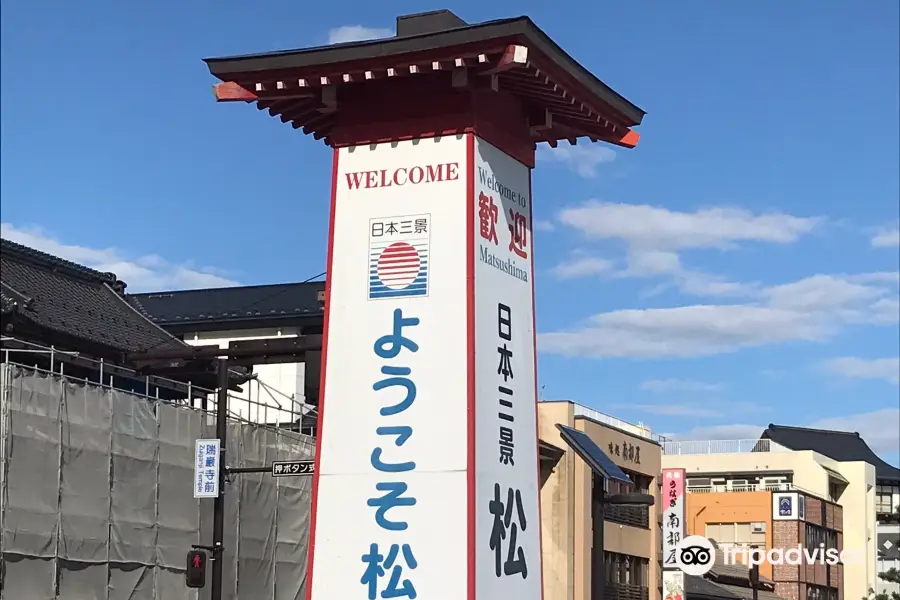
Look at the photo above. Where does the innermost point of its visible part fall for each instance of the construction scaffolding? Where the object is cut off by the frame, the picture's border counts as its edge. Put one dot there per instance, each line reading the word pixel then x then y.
pixel 96 496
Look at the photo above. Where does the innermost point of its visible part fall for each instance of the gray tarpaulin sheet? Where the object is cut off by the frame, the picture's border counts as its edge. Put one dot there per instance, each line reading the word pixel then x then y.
pixel 96 497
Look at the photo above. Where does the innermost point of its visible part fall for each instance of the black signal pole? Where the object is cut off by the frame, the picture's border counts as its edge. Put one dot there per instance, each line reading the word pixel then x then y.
pixel 219 501
pixel 238 353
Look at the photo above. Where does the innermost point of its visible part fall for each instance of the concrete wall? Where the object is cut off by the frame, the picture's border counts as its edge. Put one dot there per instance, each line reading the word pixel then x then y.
pixel 557 508
pixel 567 524
pixel 730 507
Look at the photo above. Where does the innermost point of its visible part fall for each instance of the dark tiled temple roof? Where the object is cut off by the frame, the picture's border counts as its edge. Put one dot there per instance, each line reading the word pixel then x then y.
pixel 700 587
pixel 59 296
pixel 728 582
pixel 232 304
pixel 842 446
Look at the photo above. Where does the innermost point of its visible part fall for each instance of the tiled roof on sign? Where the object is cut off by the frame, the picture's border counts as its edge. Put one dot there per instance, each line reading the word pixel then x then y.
pixel 56 295
pixel 842 446
pixel 221 305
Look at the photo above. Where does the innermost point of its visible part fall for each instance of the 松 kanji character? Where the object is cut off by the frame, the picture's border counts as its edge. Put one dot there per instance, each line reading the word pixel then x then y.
pixel 488 215
pixel 377 563
pixel 389 346
pixel 392 499
pixel 518 233
pixel 503 524
pixel 611 449
pixel 403 433
pixel 399 376
pixel 505 366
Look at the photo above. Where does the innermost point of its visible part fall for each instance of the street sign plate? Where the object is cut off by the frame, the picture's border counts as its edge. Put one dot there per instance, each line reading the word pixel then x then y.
pixel 206 468
pixel 285 468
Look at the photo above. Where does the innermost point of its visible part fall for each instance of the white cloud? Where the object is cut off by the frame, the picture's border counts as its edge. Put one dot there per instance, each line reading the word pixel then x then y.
pixel 888 238
pixel 649 227
pixel 581 267
pixel 810 310
pixel 679 385
pixel 862 368
pixel 870 426
pixel 584 160
pixel 357 33
pixel 543 226
pixel 143 273
pixel 653 237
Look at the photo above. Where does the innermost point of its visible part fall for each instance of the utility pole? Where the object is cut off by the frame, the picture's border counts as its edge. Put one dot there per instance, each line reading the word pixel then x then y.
pixel 219 501
pixel 754 578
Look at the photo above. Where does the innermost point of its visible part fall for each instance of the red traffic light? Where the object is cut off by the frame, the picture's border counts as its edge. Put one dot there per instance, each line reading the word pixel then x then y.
pixel 196 569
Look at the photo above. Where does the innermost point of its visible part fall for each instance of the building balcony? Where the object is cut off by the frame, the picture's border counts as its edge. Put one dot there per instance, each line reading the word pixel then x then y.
pixel 633 516
pixel 671 448
pixel 750 487
pixel 624 591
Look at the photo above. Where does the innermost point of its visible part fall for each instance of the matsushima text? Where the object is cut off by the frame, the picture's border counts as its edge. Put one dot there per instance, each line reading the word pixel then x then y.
pixel 507 509
pixel 386 569
pixel 488 215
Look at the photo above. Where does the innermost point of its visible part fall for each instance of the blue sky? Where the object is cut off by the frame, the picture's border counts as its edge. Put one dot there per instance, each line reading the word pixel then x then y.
pixel 739 267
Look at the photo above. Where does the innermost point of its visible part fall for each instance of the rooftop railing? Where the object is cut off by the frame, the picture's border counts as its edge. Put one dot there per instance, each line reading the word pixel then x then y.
pixel 672 448
pixel 639 430
pixel 750 487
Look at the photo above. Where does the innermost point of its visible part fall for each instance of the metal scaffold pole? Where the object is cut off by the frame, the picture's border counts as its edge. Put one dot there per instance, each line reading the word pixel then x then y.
pixel 219 502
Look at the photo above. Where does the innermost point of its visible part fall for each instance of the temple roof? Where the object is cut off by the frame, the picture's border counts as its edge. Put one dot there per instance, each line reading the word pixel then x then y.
pixel 233 307
pixel 512 56
pixel 842 446
pixel 41 292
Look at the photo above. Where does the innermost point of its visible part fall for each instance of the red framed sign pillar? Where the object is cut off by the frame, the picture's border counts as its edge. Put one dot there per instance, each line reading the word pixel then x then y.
pixel 426 479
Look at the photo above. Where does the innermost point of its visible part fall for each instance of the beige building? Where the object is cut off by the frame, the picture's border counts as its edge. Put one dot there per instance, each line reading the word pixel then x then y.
pixel 569 489
pixel 736 466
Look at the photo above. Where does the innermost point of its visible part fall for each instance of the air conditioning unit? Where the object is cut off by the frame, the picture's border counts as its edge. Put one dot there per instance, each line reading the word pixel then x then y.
pixel 758 527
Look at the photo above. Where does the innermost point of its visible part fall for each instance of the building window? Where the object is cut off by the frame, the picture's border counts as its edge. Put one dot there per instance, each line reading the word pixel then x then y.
pixel 884 498
pixel 627 577
pixel 739 534
pixel 816 535
pixel 820 592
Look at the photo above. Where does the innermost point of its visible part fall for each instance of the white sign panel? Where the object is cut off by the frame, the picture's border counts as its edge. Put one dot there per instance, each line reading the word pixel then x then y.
pixel 507 541
pixel 206 468
pixel 785 506
pixel 391 496
pixel 673 514
pixel 673 585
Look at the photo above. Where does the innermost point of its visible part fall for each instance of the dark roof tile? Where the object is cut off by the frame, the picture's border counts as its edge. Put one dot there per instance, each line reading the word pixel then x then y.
pixel 59 295
pixel 842 446
pixel 232 303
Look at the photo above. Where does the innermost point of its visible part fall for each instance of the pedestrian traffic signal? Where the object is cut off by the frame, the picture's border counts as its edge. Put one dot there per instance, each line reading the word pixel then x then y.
pixel 196 569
